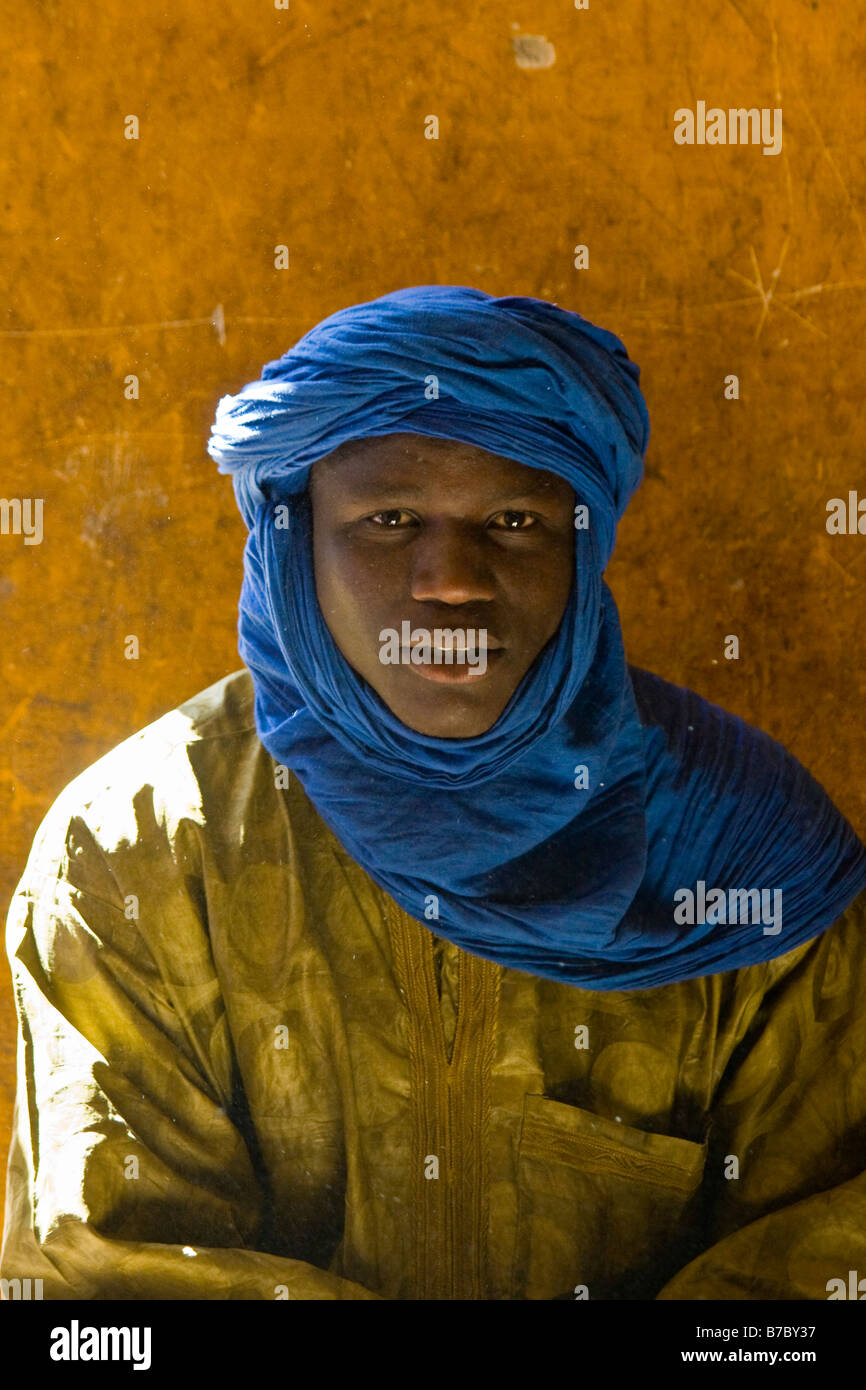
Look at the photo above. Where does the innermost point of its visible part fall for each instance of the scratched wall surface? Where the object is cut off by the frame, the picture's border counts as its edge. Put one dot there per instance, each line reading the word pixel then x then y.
pixel 260 126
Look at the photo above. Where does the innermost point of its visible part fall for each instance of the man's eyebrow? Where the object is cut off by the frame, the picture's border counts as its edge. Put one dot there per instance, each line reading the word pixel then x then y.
pixel 542 488
pixel 361 491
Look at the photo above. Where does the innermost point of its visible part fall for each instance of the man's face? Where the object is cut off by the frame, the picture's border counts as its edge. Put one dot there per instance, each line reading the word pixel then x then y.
pixel 440 535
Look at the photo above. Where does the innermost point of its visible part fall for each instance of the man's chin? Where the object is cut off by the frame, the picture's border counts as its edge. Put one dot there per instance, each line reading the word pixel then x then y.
pixel 458 710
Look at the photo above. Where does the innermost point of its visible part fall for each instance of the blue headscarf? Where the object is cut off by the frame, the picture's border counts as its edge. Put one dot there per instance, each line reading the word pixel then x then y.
pixel 494 842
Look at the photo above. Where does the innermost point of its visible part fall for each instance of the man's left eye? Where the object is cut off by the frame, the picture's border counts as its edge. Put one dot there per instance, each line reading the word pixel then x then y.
pixel 516 521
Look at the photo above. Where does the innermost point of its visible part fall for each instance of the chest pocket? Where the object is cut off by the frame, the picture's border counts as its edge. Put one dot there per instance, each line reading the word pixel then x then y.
pixel 601 1204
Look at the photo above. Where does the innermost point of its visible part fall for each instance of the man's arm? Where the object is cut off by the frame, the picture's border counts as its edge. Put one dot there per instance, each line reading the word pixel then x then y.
pixel 128 1177
pixel 788 1145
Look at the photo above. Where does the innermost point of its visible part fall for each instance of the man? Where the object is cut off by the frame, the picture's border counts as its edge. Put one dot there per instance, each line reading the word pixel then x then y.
pixel 440 954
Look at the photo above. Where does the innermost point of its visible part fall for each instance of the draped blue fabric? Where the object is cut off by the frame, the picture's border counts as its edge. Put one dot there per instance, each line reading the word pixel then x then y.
pixel 488 840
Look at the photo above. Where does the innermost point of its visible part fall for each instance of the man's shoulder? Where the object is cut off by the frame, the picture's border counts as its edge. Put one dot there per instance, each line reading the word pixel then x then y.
pixel 222 711
pixel 685 732
pixel 165 764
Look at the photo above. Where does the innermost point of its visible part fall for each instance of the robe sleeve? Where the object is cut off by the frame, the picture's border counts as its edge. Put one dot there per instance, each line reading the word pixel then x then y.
pixel 130 1176
pixel 787 1162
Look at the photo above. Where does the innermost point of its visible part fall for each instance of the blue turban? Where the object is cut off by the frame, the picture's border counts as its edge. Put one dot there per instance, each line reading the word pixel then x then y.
pixel 493 841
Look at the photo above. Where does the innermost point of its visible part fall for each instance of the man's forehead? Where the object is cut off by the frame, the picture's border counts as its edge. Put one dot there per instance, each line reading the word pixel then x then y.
pixel 418 462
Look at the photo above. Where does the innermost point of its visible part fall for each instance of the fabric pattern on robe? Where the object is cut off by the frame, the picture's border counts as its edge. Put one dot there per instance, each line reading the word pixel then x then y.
pixel 238 1078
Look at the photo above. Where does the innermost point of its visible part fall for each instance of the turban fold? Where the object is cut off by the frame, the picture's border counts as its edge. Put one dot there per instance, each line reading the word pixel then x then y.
pixel 577 879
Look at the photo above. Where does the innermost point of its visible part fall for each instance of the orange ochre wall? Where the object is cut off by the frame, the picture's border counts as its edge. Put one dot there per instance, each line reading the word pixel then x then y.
pixel 307 125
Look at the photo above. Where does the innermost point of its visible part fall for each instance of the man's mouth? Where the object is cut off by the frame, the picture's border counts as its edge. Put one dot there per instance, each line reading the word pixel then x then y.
pixel 448 655
pixel 457 650
pixel 441 671
pixel 466 659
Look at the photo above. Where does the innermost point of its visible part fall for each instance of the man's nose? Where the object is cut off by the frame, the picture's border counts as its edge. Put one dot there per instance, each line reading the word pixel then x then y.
pixel 449 566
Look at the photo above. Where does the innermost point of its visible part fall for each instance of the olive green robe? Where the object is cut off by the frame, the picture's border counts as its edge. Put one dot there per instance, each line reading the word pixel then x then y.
pixel 245 1073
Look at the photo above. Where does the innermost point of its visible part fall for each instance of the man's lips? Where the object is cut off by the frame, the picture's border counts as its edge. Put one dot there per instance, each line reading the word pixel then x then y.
pixel 490 645
pixel 454 674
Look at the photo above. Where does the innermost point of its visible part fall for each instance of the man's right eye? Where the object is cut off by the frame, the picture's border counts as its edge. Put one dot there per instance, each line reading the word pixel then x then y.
pixel 390 519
